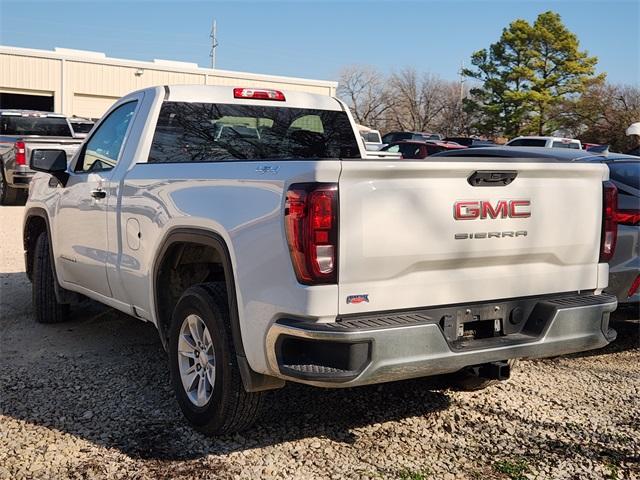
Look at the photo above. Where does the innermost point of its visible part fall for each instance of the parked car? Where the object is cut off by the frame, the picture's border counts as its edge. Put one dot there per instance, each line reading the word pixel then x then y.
pixel 81 126
pixel 595 148
pixel 290 257
pixel 393 137
pixel 413 149
pixel 22 131
pixel 432 136
pixel 547 142
pixel 470 141
pixel 446 144
pixel 624 267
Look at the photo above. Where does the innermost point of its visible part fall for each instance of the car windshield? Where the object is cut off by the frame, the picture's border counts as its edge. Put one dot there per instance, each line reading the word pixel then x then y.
pixel 34 125
pixel 201 132
pixel 394 137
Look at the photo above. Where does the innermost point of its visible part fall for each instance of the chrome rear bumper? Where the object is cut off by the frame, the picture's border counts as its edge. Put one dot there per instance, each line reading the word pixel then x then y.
pixel 387 347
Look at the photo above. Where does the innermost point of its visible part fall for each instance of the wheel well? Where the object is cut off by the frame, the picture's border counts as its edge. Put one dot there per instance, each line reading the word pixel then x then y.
pixel 34 226
pixel 184 264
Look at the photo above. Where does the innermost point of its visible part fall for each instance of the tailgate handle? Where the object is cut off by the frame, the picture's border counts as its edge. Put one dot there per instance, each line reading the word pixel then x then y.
pixel 491 178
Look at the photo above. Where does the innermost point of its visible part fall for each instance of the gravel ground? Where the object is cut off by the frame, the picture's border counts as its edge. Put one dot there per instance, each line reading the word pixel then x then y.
pixel 90 399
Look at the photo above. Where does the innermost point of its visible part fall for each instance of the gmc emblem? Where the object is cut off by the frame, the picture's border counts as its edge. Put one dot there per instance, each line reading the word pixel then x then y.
pixel 470 210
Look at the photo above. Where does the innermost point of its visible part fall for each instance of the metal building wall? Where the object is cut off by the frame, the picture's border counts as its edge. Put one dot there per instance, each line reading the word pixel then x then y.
pixel 87 83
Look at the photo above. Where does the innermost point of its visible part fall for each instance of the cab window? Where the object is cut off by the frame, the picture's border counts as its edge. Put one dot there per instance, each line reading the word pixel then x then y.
pixel 103 148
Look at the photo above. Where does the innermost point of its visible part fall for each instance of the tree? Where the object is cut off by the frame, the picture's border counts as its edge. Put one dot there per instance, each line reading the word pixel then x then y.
pixel 527 74
pixel 364 89
pixel 454 119
pixel 417 100
pixel 602 114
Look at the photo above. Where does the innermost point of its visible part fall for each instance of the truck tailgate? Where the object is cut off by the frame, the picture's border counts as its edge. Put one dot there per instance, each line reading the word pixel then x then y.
pixel 69 145
pixel 401 247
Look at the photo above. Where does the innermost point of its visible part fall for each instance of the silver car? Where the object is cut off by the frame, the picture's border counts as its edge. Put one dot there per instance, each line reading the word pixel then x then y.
pixel 624 267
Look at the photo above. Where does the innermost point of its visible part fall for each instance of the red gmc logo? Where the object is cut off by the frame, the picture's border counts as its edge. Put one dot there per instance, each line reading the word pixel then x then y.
pixel 482 209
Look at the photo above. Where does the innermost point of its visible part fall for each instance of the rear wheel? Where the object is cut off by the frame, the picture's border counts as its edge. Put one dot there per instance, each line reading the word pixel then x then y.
pixel 203 366
pixel 8 194
pixel 45 303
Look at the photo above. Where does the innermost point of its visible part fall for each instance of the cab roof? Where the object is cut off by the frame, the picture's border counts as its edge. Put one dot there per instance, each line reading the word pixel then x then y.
pixel 225 94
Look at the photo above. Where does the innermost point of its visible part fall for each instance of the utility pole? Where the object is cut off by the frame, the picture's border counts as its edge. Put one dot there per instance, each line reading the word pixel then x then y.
pixel 214 44
pixel 462 80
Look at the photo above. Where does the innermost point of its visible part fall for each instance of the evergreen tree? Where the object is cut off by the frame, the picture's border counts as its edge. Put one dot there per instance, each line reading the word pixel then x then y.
pixel 526 74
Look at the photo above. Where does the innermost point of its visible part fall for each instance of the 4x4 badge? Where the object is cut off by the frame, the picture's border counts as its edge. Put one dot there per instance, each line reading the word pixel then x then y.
pixel 362 298
pixel 262 169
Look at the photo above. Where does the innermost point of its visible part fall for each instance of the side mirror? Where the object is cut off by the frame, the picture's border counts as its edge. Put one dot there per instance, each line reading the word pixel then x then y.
pixel 53 162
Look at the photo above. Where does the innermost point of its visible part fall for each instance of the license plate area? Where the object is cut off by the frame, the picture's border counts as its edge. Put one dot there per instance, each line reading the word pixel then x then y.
pixel 473 324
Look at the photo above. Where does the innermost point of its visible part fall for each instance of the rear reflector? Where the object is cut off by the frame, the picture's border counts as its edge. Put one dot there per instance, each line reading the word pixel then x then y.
pixel 609 221
pixel 258 94
pixel 311 224
pixel 628 217
pixel 21 156
pixel 634 287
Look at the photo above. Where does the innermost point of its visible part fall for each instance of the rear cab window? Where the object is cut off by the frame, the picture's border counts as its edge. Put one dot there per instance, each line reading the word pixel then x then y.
pixel 81 127
pixel 206 132
pixel 528 142
pixel 34 125
pixel 573 145
pixel 371 137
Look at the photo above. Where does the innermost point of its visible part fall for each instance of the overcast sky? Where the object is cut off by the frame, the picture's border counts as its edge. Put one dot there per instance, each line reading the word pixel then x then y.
pixel 315 39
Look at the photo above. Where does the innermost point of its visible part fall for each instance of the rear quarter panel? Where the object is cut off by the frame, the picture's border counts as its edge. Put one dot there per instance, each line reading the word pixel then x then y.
pixel 243 206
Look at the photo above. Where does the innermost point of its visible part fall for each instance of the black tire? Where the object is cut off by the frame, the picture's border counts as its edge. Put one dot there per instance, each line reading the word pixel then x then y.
pixel 45 304
pixel 468 382
pixel 231 408
pixel 8 194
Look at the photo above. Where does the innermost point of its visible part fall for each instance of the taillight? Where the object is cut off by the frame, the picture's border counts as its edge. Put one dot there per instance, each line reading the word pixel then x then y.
pixel 258 94
pixel 311 224
pixel 609 221
pixel 21 156
pixel 634 287
pixel 628 217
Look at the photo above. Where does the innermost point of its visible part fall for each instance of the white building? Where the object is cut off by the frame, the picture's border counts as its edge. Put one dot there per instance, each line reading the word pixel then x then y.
pixel 85 84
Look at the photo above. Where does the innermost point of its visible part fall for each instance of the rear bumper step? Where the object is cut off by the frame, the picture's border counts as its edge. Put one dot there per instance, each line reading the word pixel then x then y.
pixel 393 346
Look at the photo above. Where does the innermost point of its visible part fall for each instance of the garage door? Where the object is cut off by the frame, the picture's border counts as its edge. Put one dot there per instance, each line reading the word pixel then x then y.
pixel 91 106
pixel 28 102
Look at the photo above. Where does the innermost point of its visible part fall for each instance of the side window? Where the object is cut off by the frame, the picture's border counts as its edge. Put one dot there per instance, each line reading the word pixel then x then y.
pixel 103 149
pixel 410 150
pixel 433 149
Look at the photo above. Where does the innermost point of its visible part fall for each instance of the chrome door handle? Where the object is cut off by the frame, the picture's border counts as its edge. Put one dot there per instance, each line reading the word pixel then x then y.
pixel 98 193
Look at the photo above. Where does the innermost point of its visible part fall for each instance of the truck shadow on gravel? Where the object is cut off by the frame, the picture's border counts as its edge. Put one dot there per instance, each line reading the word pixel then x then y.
pixel 102 376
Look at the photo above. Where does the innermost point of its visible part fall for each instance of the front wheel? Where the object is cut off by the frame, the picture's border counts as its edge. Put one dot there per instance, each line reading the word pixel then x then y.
pixel 45 303
pixel 202 361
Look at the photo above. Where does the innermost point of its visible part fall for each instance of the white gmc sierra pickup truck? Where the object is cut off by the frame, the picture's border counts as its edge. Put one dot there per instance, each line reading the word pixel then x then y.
pixel 246 225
